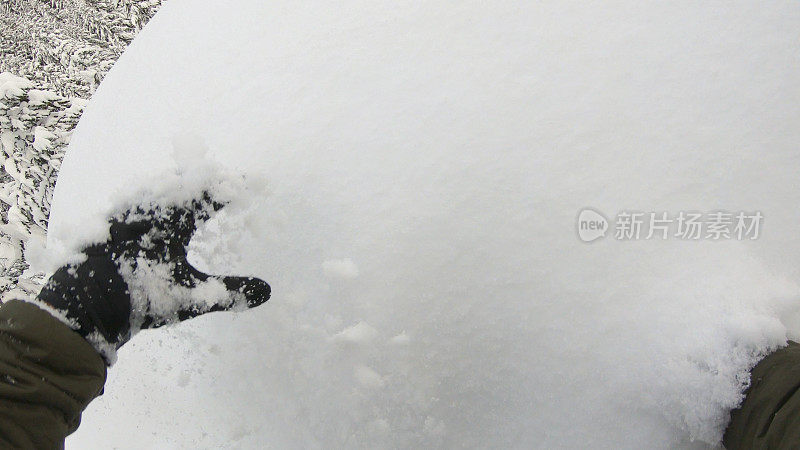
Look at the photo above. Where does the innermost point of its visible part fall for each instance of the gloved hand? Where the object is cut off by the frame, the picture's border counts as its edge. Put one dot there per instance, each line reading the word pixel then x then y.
pixel 140 278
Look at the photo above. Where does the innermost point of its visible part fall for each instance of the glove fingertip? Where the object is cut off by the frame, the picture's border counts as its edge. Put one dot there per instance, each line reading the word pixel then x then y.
pixel 255 290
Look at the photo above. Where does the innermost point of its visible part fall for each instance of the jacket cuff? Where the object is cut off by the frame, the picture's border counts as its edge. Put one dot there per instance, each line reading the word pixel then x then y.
pixel 50 372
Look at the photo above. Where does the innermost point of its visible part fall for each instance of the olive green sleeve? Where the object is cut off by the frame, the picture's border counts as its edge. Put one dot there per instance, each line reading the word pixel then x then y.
pixel 48 374
pixel 769 417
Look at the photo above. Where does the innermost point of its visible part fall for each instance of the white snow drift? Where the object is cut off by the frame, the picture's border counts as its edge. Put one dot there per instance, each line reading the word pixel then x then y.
pixel 424 163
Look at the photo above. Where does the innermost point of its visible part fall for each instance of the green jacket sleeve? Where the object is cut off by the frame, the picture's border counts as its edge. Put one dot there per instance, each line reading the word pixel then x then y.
pixel 48 375
pixel 769 417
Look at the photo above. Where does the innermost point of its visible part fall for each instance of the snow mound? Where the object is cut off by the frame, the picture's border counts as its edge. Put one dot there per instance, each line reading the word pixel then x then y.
pixel 420 168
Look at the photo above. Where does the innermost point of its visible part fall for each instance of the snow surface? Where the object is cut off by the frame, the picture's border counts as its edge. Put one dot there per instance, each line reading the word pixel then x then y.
pixel 424 164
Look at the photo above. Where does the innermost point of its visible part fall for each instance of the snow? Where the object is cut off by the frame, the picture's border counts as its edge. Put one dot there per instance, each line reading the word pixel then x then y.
pixel 340 268
pixel 361 332
pixel 42 138
pixel 400 339
pixel 445 151
pixel 37 97
pixel 368 377
pixel 12 86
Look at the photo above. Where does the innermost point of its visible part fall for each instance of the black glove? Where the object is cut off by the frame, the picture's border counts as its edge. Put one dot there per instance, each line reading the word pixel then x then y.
pixel 140 278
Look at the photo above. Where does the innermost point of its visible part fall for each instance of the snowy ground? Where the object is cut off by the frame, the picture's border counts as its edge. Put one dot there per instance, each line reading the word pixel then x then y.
pixel 423 166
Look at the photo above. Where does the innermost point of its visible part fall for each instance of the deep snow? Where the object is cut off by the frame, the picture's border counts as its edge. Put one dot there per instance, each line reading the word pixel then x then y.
pixel 423 164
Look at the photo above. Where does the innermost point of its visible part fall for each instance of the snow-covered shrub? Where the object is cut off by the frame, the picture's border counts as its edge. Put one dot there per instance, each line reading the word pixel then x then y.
pixel 53 55
pixel 68 45
pixel 35 127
